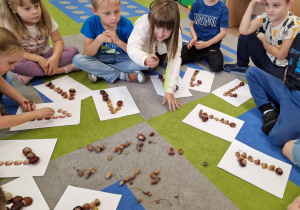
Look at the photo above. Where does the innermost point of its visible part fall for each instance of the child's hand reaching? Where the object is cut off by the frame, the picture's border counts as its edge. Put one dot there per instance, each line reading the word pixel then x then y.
pixel 152 61
pixel 201 45
pixel 113 35
pixel 173 103
pixel 26 106
pixel 192 43
pixel 43 113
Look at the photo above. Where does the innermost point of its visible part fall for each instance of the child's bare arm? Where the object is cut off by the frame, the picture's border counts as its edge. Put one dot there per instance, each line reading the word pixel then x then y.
pixel 247 26
pixel 280 53
pixel 91 46
pixel 58 47
pixel 218 37
pixel 192 30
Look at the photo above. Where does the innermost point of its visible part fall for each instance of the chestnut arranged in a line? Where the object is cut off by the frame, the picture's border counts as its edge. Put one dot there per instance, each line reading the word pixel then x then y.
pixel 242 159
pixel 229 92
pixel 106 98
pixel 72 91
pixel 193 78
pixel 161 77
pixel 204 117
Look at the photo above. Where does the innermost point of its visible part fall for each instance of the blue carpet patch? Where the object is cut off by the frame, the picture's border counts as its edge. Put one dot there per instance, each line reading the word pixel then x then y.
pixel 127 198
pixel 252 135
pixel 80 10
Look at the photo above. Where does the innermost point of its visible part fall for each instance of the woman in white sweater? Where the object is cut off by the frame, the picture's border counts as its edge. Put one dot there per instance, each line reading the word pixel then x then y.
pixel 156 34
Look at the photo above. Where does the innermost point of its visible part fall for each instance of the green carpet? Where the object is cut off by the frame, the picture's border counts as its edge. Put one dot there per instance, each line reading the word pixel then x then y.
pixel 202 146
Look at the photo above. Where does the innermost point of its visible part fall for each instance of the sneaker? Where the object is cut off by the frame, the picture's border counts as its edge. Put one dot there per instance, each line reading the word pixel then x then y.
pixel 269 120
pixel 136 76
pixel 93 78
pixel 234 68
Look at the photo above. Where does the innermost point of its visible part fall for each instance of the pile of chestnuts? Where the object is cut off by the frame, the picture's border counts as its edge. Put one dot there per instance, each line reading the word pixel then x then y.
pixel 18 202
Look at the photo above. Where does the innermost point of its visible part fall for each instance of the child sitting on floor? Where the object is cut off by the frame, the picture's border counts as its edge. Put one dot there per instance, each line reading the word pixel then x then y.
pixel 267 52
pixel 282 125
pixel 154 35
pixel 106 34
pixel 10 53
pixel 32 24
pixel 209 23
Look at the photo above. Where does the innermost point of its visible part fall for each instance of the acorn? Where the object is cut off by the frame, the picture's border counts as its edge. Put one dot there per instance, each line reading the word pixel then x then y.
pixel 137 171
pixel 80 173
pixel 264 165
pixel 271 167
pixel 97 202
pixel 250 158
pixel 108 175
pixel 257 162
pixel 151 134
pixel 180 151
pixel 90 147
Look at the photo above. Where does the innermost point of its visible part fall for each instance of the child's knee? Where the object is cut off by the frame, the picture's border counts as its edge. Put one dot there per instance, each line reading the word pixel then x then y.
pixel 287 149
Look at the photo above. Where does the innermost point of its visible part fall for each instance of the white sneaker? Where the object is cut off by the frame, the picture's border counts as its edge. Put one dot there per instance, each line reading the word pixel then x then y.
pixel 136 76
pixel 93 78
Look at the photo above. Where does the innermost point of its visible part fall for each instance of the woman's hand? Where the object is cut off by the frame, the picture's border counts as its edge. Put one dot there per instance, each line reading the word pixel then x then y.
pixel 173 103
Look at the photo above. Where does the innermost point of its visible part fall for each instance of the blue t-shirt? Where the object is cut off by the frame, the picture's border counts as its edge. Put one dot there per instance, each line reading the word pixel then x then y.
pixel 93 27
pixel 208 19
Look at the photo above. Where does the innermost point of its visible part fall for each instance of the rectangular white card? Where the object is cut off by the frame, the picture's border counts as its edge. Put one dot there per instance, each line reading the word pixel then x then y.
pixel 64 83
pixel 115 94
pixel 75 196
pixel 72 107
pixel 159 88
pixel 243 93
pixel 25 186
pixel 12 150
pixel 206 78
pixel 255 174
pixel 212 126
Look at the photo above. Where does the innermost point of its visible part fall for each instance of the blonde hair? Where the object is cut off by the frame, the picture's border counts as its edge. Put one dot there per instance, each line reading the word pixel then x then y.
pixel 165 14
pixel 15 23
pixel 9 43
pixel 96 2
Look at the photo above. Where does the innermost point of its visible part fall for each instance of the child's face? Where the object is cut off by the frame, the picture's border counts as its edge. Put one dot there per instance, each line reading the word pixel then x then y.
pixel 109 13
pixel 29 13
pixel 8 61
pixel 277 9
pixel 162 34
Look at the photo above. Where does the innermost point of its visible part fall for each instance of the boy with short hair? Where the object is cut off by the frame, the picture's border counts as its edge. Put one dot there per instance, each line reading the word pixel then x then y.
pixel 281 126
pixel 105 55
pixel 269 51
pixel 209 23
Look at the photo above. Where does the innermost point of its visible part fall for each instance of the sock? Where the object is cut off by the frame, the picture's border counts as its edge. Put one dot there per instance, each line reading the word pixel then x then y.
pixel 269 110
pixel 69 68
pixel 122 76
pixel 23 79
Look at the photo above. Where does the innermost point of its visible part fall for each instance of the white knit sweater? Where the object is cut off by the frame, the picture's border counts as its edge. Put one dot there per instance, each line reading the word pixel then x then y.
pixel 137 49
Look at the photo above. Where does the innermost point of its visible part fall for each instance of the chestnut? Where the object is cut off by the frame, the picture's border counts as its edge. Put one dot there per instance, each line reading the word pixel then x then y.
pixel 78 208
pixel 199 82
pixel 30 155
pixel 86 206
pixel 17 199
pixel 102 92
pixel 171 152
pixel 120 103
pixel 17 206
pixel 8 197
pixel 180 151
pixel 9 163
pixel 234 95
pixel 97 202
pixel 243 163
pixel 34 160
pixel 18 162
pixel 141 137
pixel 160 77
pixel 204 119
pixel 279 171
pixel 1 163
pixel 26 162
pixel 242 84
pixel 26 150
pixel 71 98
pixel 105 94
pixel 271 167
pixel 233 125
pixel 105 98
pixel 48 84
pixel 52 87
pixel 237 154
pixel 72 90
pixel 54 117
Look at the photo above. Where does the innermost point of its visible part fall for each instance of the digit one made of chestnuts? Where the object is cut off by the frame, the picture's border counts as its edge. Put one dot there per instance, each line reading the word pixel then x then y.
pixel 106 98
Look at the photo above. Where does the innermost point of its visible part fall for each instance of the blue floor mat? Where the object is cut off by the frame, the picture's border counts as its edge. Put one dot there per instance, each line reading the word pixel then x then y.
pixel 80 10
pixel 252 135
pixel 127 199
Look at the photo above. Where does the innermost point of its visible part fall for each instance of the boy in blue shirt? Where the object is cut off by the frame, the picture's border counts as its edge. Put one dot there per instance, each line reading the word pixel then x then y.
pixel 209 22
pixel 105 55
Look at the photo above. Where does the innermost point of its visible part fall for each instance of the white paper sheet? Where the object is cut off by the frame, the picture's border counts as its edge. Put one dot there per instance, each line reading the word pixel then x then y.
pixel 72 107
pixel 75 196
pixel 205 76
pixel 25 186
pixel 12 150
pixel 255 174
pixel 243 93
pixel 65 83
pixel 115 94
pixel 180 93
pixel 212 126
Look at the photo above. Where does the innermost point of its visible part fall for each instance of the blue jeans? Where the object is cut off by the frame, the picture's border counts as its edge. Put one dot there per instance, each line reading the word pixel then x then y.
pixel 296 152
pixel 106 66
pixel 266 88
pixel 249 46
